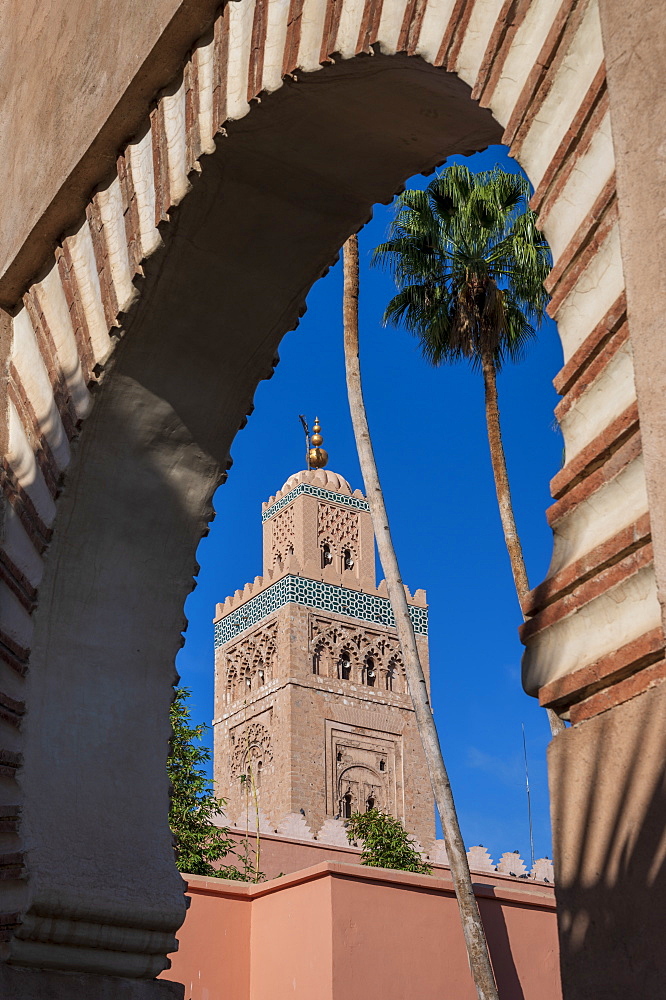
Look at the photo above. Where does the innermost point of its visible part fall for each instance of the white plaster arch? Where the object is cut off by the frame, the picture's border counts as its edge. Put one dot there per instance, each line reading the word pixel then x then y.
pixel 346 101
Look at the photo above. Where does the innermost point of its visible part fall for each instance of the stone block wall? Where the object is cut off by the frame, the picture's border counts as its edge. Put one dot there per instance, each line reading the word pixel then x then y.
pixel 296 723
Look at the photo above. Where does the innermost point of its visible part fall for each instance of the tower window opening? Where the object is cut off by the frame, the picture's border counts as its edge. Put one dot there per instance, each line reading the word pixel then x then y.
pixel 382 765
pixel 347 560
pixel 370 803
pixel 326 555
pixel 390 677
pixel 346 809
pixel 344 667
pixel 370 672
pixel 338 756
pixel 260 675
pixel 316 663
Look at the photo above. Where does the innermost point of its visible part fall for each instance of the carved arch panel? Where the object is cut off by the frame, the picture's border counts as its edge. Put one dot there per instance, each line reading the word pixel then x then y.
pixel 249 663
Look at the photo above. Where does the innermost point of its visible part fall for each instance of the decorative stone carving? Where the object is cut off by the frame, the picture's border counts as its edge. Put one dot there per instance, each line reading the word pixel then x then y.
pixel 374 658
pixel 511 863
pixel 249 662
pixel 307 628
pixel 363 771
pixel 249 607
pixel 479 860
pixel 282 540
pixel 323 484
pixel 543 870
pixel 252 746
pixel 339 527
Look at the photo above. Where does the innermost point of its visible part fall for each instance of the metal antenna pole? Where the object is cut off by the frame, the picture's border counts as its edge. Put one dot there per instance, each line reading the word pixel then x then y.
pixel 529 802
pixel 306 429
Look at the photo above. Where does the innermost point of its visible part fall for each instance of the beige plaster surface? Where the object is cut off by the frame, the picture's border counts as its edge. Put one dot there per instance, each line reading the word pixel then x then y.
pixel 608 802
pixel 635 46
pixel 608 510
pixel 137 496
pixel 571 80
pixel 615 618
pixel 78 77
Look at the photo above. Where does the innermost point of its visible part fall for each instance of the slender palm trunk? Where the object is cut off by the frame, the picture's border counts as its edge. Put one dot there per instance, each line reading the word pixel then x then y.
pixel 477 947
pixel 511 537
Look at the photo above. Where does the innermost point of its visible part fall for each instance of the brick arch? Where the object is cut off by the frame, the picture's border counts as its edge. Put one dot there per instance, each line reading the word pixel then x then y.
pixel 135 356
pixel 324 655
pixel 347 648
pixel 395 669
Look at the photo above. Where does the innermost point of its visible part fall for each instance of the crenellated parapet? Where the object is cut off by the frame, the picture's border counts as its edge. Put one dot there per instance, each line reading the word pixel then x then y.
pixel 510 863
pixel 278 587
pixel 333 834
pixel 260 583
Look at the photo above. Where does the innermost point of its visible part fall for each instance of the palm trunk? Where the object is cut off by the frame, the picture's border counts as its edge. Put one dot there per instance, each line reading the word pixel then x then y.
pixel 498 460
pixel 477 947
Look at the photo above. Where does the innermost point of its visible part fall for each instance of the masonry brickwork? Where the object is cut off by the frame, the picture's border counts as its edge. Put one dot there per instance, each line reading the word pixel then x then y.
pixel 312 710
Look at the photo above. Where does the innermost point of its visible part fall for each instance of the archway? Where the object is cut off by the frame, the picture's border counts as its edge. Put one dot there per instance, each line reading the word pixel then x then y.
pixel 225 275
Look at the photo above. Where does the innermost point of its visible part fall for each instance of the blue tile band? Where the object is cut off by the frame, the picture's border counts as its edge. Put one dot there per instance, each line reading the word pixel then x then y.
pixel 313 594
pixel 315 491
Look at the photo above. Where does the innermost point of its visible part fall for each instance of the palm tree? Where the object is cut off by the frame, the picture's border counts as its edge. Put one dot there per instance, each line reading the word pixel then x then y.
pixel 469 263
pixel 477 947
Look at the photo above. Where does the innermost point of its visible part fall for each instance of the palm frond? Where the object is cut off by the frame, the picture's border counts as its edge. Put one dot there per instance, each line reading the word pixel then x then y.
pixel 469 263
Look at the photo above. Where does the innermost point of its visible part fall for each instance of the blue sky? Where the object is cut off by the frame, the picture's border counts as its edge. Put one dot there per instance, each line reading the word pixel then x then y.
pixel 429 433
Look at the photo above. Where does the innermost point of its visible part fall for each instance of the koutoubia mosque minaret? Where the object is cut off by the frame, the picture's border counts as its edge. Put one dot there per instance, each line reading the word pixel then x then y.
pixel 310 691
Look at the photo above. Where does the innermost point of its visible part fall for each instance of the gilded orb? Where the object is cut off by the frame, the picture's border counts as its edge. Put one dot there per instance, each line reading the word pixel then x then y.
pixel 318 457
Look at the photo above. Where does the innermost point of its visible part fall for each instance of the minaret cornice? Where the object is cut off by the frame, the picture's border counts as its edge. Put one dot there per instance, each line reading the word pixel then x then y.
pixel 320 479
pixel 260 599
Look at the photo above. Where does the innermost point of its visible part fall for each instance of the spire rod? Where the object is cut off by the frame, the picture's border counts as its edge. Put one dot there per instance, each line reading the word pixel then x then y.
pixel 306 431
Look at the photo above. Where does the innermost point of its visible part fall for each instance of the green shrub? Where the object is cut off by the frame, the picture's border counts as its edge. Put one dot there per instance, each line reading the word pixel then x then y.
pixel 386 843
pixel 199 843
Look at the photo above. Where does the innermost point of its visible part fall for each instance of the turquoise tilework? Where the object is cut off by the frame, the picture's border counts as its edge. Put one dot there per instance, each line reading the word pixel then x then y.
pixel 315 491
pixel 313 594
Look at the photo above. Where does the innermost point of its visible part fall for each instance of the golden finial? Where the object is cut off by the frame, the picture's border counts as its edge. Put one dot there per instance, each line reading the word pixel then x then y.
pixel 317 456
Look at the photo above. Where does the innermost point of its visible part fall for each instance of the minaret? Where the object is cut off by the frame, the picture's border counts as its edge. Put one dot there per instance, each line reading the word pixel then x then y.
pixel 311 699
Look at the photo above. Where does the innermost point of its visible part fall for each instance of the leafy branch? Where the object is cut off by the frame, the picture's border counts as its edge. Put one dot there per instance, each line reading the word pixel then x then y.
pixel 200 844
pixel 386 843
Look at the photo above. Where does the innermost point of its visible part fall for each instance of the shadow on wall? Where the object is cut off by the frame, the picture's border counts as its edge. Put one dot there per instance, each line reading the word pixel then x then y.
pixel 504 965
pixel 337 931
pixel 608 786
pixel 263 221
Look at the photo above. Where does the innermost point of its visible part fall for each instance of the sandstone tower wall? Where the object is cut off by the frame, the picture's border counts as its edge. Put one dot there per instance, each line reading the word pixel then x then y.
pixel 313 719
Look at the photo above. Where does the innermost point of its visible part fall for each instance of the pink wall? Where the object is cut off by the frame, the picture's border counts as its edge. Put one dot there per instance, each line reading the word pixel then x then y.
pixel 343 932
pixel 214 941
pixel 281 855
pixel 292 951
